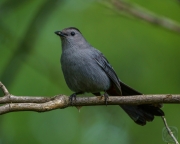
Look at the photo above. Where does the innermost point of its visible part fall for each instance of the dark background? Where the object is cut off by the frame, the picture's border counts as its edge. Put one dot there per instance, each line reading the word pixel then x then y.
pixel 144 56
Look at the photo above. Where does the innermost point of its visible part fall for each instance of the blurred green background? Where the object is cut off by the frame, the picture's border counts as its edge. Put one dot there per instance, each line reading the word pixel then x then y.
pixel 144 56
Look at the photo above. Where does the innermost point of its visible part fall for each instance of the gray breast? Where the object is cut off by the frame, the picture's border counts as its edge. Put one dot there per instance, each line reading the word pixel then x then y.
pixel 82 73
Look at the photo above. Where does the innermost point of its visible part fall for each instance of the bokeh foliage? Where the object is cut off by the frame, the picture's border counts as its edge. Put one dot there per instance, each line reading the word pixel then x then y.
pixel 144 56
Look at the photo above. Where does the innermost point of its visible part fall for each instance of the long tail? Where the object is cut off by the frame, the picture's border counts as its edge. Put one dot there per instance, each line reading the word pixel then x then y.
pixel 139 113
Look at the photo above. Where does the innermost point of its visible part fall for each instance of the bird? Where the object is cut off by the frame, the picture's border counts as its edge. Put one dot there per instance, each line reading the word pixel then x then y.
pixel 86 70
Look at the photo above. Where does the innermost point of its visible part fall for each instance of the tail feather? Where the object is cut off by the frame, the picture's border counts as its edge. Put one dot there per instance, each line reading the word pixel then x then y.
pixel 152 109
pixel 139 113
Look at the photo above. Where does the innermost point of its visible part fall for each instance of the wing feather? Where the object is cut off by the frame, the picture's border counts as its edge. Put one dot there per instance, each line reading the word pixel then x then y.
pixel 108 69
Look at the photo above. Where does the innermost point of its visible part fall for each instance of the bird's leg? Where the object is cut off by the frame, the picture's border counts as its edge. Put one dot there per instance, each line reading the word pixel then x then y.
pixel 106 97
pixel 73 96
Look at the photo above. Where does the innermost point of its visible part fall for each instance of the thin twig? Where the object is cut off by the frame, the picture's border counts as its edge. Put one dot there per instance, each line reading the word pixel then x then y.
pixel 4 89
pixel 169 130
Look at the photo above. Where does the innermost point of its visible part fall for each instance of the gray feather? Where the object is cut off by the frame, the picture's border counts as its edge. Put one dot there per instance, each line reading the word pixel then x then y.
pixel 82 72
pixel 108 69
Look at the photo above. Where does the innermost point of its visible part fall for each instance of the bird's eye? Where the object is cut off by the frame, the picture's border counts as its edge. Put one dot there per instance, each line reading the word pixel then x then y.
pixel 72 33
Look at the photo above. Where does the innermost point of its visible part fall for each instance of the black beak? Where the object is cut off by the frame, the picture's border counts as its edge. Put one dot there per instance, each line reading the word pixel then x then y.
pixel 59 33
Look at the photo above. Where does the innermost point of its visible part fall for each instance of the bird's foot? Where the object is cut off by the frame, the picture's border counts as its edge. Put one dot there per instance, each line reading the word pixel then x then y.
pixel 72 98
pixel 106 97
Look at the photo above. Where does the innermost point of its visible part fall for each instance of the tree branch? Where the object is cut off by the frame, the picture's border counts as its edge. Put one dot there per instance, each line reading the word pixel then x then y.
pixel 43 104
pixel 144 14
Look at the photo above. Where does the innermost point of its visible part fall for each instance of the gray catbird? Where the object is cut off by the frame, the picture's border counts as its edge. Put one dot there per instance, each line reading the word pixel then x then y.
pixel 86 69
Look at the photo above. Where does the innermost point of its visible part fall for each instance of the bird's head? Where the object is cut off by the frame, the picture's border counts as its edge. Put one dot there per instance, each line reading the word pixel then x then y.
pixel 71 37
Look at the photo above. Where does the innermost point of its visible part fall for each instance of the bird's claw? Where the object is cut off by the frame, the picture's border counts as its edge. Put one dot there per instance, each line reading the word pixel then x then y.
pixel 106 97
pixel 72 98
